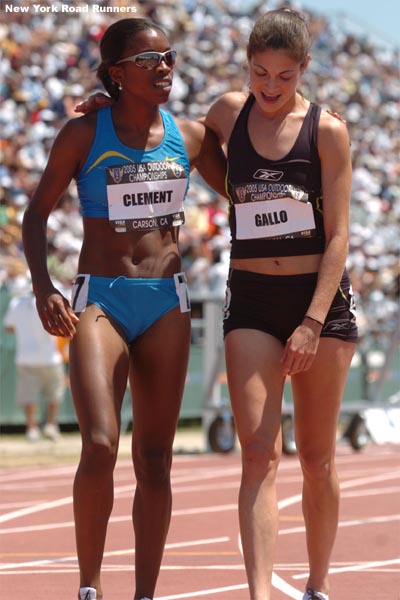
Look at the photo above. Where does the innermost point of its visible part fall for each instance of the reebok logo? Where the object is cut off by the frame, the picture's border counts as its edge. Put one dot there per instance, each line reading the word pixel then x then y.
pixel 267 175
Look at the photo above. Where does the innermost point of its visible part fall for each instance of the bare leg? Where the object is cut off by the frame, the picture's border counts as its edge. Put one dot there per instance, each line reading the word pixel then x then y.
pixel 99 364
pixel 30 416
pixel 159 361
pixel 256 387
pixel 52 412
pixel 317 396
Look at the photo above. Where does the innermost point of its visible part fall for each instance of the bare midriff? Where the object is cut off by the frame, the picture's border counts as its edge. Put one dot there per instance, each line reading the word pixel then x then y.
pixel 279 265
pixel 145 254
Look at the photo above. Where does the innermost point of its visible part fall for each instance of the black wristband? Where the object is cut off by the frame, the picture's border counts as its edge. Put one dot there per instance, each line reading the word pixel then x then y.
pixel 312 319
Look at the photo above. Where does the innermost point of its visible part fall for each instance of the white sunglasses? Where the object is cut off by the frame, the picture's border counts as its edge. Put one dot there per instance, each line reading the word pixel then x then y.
pixel 150 60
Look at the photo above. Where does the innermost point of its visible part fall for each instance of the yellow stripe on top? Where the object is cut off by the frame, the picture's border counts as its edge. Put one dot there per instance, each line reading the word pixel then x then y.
pixel 107 155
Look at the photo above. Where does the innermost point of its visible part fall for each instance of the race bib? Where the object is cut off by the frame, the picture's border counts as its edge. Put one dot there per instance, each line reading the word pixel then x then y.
pixel 144 196
pixel 182 291
pixel 79 293
pixel 284 217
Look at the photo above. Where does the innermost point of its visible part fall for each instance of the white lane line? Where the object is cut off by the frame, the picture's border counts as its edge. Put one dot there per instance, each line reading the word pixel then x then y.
pixel 357 567
pixel 285 587
pixel 199 593
pixel 22 504
pixel 381 491
pixel 124 568
pixel 350 523
pixel 184 512
pixel 181 462
pixel 46 473
pixel 126 552
pixel 345 485
pixel 35 509
pixel 281 584
pixel 371 479
pixel 277 582
pixel 120 568
pixel 122 519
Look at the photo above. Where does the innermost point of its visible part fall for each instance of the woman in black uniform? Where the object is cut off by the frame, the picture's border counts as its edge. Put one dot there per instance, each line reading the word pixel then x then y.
pixel 289 306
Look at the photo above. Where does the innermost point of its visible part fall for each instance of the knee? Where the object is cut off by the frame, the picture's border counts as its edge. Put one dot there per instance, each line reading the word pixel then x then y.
pixel 260 458
pixel 152 466
pixel 99 453
pixel 316 465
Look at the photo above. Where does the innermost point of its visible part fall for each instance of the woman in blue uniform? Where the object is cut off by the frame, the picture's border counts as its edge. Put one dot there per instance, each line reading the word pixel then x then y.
pixel 129 314
pixel 289 305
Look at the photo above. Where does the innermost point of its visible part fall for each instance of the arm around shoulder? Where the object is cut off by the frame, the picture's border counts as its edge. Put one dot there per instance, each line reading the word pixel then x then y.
pixel 205 153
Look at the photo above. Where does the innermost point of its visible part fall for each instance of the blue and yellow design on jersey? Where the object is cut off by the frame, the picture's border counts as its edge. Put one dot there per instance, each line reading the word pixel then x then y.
pixel 107 151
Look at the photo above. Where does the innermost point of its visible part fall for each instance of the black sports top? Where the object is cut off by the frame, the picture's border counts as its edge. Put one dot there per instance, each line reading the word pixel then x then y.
pixel 275 205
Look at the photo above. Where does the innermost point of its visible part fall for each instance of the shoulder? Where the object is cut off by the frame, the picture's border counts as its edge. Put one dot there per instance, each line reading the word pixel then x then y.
pixel 231 101
pixel 227 106
pixel 191 130
pixel 223 113
pixel 333 135
pixel 331 127
pixel 188 125
pixel 80 128
pixel 193 134
pixel 75 137
pixel 84 125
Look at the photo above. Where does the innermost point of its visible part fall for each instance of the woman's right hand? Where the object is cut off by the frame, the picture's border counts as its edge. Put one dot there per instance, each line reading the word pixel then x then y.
pixel 56 314
pixel 301 348
pixel 93 103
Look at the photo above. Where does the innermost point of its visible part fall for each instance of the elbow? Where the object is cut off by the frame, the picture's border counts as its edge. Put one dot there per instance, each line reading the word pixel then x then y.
pixel 32 216
pixel 338 236
pixel 338 242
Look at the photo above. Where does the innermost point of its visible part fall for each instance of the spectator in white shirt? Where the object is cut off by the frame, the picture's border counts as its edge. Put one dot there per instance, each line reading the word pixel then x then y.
pixel 40 367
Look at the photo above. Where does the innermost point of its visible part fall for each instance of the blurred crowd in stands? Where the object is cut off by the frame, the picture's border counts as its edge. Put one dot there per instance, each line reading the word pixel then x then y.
pixel 48 64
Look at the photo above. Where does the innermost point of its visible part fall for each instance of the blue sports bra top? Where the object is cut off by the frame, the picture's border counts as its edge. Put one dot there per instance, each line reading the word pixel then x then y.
pixel 134 189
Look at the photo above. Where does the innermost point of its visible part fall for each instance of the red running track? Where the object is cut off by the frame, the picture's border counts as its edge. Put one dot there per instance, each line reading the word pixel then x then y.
pixel 202 557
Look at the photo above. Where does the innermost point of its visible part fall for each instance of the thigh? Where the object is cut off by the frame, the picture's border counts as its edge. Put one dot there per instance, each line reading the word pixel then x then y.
pixel 255 383
pixel 99 365
pixel 159 361
pixel 317 395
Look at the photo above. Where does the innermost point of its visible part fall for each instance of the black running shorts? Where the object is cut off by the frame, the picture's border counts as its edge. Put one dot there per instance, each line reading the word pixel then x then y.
pixel 277 304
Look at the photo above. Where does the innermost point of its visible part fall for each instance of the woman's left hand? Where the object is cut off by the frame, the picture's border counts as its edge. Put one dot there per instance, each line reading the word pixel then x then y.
pixel 301 348
pixel 336 115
